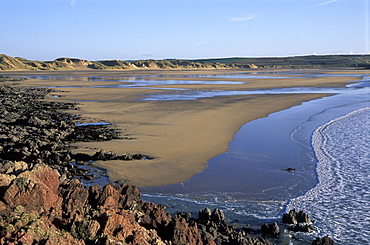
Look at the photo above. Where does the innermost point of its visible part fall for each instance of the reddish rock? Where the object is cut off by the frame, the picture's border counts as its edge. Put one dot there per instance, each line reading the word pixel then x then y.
pixel 36 190
pixel 21 227
pixel 129 195
pixel 36 207
pixel 109 197
pixel 124 228
pixel 184 233
pixel 152 216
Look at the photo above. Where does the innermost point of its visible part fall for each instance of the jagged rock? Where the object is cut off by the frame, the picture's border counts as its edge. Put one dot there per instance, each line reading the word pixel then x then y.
pixel 301 221
pixel 205 215
pixel 185 215
pixel 105 155
pixel 110 215
pixel 184 233
pixel 15 168
pixel 290 218
pixel 152 216
pixel 22 227
pixel 246 239
pixel 270 229
pixel 218 217
pixel 36 122
pixel 323 241
pixel 35 190
pixel 75 198
pixel 302 228
pixel 302 217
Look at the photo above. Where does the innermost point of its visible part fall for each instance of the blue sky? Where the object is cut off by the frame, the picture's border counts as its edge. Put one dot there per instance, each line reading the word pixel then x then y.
pixel 159 29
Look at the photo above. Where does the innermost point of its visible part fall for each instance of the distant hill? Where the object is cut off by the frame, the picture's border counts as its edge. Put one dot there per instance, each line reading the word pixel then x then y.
pixel 11 63
pixel 313 61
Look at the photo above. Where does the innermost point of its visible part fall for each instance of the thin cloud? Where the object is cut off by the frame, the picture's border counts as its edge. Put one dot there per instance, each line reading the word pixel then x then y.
pixel 73 2
pixel 238 19
pixel 327 2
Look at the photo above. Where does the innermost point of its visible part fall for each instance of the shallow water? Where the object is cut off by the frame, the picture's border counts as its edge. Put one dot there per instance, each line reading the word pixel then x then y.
pixel 199 94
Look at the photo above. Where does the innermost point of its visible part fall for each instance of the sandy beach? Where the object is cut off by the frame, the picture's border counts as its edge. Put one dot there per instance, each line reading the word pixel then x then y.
pixel 181 135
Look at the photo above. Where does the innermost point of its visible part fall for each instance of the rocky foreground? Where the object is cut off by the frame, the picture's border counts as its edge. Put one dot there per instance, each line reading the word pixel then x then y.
pixel 42 202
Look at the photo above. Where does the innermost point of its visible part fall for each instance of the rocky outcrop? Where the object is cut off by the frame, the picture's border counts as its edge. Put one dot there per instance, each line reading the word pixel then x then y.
pixel 37 207
pixel 294 218
pixel 323 241
pixel 213 228
pixel 298 221
pixel 270 229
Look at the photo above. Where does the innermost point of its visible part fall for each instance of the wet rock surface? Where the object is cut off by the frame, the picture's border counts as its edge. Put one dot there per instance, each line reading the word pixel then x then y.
pixel 270 229
pixel 323 241
pixel 298 222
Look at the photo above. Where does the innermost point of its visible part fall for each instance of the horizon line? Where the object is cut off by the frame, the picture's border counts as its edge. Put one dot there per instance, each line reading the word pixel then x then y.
pixel 209 58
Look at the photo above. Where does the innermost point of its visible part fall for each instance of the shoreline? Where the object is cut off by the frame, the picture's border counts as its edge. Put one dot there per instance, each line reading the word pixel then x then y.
pixel 337 174
pixel 232 98
pixel 46 203
pixel 180 135
pixel 40 203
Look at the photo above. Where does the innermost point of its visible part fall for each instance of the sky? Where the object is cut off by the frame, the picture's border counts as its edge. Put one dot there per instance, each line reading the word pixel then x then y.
pixel 181 29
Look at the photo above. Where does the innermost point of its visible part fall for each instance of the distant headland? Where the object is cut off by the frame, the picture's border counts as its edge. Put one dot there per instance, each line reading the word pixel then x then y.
pixel 312 61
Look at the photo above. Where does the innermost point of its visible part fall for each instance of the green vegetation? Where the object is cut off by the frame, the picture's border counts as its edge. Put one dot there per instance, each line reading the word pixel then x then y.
pixel 22 222
pixel 312 61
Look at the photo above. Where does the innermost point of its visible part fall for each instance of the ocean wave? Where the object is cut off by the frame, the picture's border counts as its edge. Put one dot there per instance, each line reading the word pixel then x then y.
pixel 340 201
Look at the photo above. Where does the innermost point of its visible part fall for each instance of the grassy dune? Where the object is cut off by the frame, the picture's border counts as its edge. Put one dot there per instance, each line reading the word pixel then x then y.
pixel 313 61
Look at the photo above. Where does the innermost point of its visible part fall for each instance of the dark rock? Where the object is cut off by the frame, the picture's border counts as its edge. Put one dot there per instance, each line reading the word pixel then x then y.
pixel 185 215
pixel 323 241
pixel 302 217
pixel 104 155
pixel 218 217
pixel 290 218
pixel 137 156
pixel 89 177
pixel 302 228
pixel 270 229
pixel 81 157
pixel 205 215
pixel 184 233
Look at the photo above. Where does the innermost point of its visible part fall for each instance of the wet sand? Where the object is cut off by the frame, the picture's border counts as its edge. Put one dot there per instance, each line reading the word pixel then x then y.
pixel 181 135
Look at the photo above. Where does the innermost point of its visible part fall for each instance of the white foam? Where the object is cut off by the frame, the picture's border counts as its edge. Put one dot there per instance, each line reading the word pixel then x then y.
pixel 340 202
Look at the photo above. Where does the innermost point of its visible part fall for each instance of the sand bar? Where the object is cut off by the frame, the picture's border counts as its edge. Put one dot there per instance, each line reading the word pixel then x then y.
pixel 181 135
